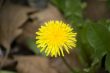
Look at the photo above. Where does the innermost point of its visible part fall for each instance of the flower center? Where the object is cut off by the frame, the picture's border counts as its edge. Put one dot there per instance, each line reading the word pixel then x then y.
pixel 56 37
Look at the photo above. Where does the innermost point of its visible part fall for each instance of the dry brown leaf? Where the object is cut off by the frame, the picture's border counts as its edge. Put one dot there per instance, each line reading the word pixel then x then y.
pixel 50 13
pixel 7 62
pixel 33 64
pixel 11 18
pixel 29 30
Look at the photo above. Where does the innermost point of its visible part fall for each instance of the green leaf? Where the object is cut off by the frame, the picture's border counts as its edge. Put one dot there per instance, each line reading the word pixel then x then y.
pixel 6 72
pixel 72 9
pixel 107 62
pixel 99 38
pixel 108 4
pixel 60 4
pixel 31 44
pixel 83 47
pixel 106 23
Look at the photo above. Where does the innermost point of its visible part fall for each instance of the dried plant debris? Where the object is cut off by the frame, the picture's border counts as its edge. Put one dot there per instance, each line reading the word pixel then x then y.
pixel 12 17
pixel 29 29
pixel 8 61
pixel 33 64
pixel 49 13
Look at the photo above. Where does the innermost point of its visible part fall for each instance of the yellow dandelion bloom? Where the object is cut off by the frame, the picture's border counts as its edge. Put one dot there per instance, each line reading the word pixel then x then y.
pixel 55 37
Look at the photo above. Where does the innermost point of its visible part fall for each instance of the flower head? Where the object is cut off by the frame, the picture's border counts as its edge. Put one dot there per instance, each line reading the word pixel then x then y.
pixel 55 37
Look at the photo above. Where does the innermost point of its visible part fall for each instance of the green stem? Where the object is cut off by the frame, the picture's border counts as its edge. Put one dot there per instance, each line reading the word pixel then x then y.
pixel 69 67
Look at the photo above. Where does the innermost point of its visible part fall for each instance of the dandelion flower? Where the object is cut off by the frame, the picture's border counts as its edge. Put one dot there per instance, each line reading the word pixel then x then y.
pixel 55 37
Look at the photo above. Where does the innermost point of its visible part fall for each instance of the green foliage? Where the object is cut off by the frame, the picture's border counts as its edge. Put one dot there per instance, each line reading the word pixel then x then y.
pixel 107 62
pixel 108 4
pixel 99 38
pixel 94 41
pixel 7 72
pixel 60 4
pixel 72 9
pixel 31 44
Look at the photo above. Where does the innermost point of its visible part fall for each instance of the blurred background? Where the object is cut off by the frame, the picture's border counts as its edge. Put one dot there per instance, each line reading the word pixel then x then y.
pixel 20 19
